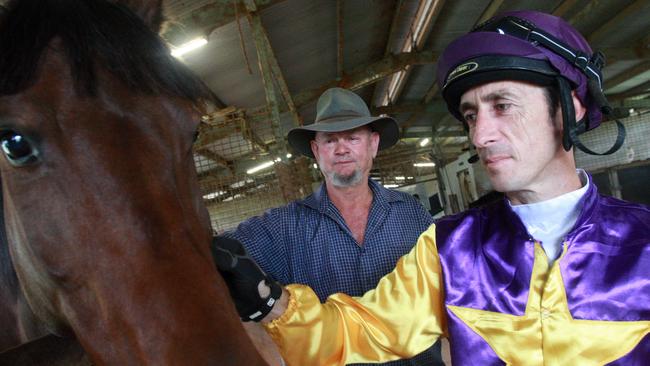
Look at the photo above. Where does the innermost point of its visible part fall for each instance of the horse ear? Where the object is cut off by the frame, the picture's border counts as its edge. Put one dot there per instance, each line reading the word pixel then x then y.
pixel 150 11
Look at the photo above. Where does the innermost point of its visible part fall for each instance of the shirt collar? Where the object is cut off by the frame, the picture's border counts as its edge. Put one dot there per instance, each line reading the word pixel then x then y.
pixel 555 208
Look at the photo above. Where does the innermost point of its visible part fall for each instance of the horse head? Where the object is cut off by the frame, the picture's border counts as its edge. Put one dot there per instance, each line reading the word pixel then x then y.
pixel 104 218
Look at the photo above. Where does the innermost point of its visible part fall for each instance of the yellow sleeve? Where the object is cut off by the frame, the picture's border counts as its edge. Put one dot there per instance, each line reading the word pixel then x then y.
pixel 401 317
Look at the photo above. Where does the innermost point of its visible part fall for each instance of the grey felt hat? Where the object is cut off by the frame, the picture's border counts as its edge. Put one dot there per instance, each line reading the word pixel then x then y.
pixel 340 110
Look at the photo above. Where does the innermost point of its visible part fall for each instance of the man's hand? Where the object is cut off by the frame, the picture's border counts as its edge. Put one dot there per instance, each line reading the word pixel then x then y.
pixel 248 284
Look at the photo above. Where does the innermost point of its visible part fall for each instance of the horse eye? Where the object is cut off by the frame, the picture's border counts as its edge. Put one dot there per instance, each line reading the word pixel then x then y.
pixel 17 149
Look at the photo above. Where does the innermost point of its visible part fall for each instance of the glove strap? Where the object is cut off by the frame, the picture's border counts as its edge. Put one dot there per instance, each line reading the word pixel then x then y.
pixel 265 305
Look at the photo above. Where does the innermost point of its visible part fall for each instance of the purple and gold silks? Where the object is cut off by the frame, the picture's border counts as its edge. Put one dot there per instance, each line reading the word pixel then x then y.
pixel 480 280
pixel 487 259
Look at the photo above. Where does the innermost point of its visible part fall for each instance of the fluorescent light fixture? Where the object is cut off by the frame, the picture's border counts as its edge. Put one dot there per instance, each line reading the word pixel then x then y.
pixel 277 160
pixel 400 178
pixel 189 46
pixel 409 177
pixel 260 167
pixel 425 142
pixel 315 166
pixel 413 40
pixel 212 195
pixel 231 198
pixel 421 165
pixel 289 156
pixel 391 185
pixel 241 183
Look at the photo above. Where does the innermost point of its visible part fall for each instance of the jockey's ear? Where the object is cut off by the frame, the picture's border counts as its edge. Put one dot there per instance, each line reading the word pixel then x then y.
pixel 150 11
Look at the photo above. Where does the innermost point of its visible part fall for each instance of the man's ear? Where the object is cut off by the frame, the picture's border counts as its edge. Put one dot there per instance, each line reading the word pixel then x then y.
pixel 374 143
pixel 578 106
pixel 314 148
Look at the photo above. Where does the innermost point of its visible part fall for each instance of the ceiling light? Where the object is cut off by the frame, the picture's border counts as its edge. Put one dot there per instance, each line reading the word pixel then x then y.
pixel 421 165
pixel 289 156
pixel 391 185
pixel 189 46
pixel 212 195
pixel 414 40
pixel 425 142
pixel 260 167
pixel 400 178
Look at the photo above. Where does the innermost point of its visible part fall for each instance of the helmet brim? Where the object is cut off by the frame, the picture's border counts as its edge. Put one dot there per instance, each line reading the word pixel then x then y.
pixel 486 69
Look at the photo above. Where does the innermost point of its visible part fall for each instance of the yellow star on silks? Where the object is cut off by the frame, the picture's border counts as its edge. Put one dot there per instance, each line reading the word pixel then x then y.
pixel 547 334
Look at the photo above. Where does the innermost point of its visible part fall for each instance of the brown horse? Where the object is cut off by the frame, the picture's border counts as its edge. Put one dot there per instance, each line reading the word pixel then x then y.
pixel 104 220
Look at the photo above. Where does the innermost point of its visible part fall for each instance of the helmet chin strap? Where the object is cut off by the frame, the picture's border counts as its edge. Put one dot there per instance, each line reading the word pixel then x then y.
pixel 571 129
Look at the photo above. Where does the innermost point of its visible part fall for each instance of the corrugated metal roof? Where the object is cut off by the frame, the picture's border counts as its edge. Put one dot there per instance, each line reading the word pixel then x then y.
pixel 303 36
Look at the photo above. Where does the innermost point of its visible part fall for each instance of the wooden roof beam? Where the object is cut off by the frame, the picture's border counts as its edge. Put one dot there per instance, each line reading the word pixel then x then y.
pixel 616 21
pixel 210 155
pixel 588 9
pixel 204 20
pixel 632 92
pixel 614 54
pixel 369 74
pixel 627 75
pixel 489 11
pixel 266 54
pixel 564 8
pixel 389 42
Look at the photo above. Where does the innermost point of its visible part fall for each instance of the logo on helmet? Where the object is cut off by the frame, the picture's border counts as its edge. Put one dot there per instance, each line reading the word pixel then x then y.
pixel 462 70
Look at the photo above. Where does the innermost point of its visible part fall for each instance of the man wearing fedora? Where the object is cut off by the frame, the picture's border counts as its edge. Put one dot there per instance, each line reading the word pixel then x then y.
pixel 350 232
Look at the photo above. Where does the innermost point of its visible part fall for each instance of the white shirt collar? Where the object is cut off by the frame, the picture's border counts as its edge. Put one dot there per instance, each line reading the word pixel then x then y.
pixel 549 221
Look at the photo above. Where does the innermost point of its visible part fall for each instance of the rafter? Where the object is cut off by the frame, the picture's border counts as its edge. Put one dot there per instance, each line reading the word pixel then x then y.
pixel 489 11
pixel 228 121
pixel 268 56
pixel 587 10
pixel 435 107
pixel 564 8
pixel 369 74
pixel 631 92
pixel 204 19
pixel 443 134
pixel 389 42
pixel 627 75
pixel 614 54
pixel 616 21
pixel 339 39
pixel 265 58
pixel 211 155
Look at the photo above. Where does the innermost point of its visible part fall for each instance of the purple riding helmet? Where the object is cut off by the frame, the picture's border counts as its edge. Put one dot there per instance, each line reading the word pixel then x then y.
pixel 534 47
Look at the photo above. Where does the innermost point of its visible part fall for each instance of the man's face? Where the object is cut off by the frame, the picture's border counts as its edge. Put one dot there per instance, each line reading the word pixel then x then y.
pixel 345 158
pixel 517 140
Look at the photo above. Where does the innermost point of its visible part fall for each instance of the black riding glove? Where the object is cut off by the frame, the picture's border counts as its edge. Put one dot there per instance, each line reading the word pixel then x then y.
pixel 242 276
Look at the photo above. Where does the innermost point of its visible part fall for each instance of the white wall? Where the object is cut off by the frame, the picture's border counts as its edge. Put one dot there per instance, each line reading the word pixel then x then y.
pixel 424 189
pixel 450 175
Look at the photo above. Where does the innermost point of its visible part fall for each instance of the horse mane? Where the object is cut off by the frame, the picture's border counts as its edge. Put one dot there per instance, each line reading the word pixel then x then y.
pixel 91 32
